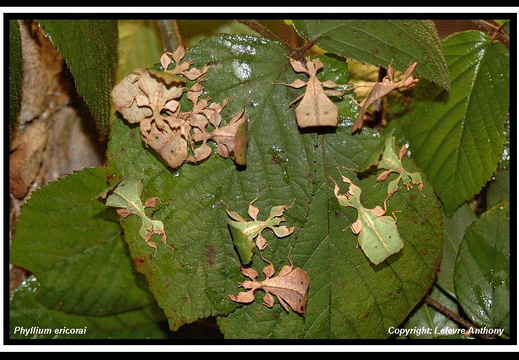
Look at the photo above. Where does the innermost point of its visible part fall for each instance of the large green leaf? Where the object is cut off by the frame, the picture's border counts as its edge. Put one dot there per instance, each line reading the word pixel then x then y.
pixel 30 319
pixel 382 42
pixel 349 298
pixel 482 273
pixel 458 141
pixel 74 246
pixel 89 48
pixel 454 231
pixel 15 72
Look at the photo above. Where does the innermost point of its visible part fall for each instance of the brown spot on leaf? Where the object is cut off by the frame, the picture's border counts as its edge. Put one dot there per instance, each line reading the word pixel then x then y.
pixel 137 262
pixel 210 254
pixel 276 160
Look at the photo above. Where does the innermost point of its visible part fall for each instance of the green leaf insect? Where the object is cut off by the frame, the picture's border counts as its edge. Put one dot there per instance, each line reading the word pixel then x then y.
pixel 126 196
pixel 393 163
pixel 378 233
pixel 247 234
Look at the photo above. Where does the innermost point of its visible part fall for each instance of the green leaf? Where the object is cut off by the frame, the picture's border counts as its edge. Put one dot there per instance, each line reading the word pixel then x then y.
pixel 15 73
pixel 499 188
pixel 30 319
pixel 74 245
pixel 428 323
pixel 139 45
pixel 482 273
pixel 454 231
pixel 195 31
pixel 349 297
pixel 458 141
pixel 89 48
pixel 399 42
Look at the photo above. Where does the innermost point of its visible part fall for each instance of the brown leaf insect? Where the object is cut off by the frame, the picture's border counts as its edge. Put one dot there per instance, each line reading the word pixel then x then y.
pixel 381 89
pixel 315 108
pixel 152 98
pixel 289 286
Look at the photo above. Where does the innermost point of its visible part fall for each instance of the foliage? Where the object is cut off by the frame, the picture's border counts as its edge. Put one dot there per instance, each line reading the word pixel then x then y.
pixel 75 241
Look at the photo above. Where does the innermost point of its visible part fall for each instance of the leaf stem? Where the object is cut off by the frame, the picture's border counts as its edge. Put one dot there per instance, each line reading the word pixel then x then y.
pixel 455 317
pixel 263 31
pixel 169 34
pixel 296 53
pixel 496 31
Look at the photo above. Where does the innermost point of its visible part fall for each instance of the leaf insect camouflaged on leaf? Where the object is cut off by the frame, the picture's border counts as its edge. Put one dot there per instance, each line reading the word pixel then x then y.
pixel 247 234
pixel 315 108
pixel 152 99
pixel 289 286
pixel 378 234
pixel 393 163
pixel 126 196
pixel 381 89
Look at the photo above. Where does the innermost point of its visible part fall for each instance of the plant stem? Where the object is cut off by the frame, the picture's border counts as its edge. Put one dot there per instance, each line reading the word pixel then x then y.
pixel 296 53
pixel 455 317
pixel 494 30
pixel 263 31
pixel 169 34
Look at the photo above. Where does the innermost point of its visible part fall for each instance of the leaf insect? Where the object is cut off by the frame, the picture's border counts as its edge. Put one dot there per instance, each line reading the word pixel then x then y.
pixel 315 108
pixel 126 196
pixel 247 234
pixel 152 99
pixel 393 163
pixel 378 233
pixel 381 89
pixel 289 286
